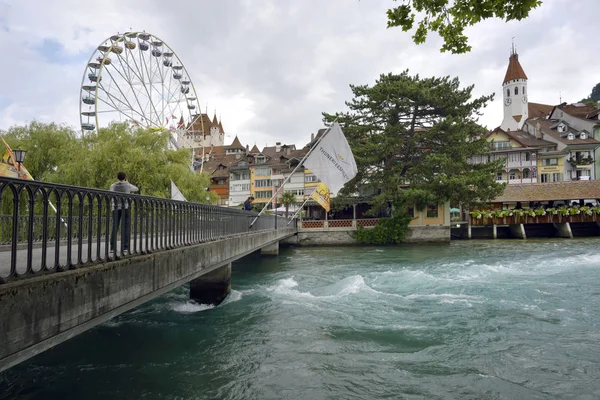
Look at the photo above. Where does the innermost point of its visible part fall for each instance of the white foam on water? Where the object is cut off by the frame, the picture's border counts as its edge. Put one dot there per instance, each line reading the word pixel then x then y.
pixel 347 286
pixel 190 307
pixel 234 295
pixel 447 297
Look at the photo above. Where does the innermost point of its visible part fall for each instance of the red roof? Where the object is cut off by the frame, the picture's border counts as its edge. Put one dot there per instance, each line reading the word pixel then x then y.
pixel 538 110
pixel 514 71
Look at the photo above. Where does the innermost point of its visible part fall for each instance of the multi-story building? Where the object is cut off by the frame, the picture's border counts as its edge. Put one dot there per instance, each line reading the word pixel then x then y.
pixel 540 142
pixel 218 162
pixel 572 153
pixel 520 154
pixel 239 182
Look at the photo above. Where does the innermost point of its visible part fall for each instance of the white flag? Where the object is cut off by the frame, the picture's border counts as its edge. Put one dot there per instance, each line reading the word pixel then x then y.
pixel 332 160
pixel 176 193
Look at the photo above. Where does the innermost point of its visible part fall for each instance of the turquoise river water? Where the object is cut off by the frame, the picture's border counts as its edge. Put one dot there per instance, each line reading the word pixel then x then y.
pixel 467 320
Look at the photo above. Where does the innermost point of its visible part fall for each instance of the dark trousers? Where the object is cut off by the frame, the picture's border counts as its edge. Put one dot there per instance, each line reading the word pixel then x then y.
pixel 126 216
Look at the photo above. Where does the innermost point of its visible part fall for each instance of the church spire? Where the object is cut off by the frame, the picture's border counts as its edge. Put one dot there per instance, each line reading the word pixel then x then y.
pixel 514 90
pixel 514 70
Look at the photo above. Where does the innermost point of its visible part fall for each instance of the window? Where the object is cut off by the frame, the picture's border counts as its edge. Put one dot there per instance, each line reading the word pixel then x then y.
pixel 516 90
pixel 501 145
pixel 524 92
pixel 512 175
pixel 527 156
pixel 297 192
pixel 570 136
pixel 240 187
pixel 240 176
pixel 260 183
pixel 507 92
pixel 263 194
pixel 582 173
pixel 410 211
pixel 549 161
pixel 263 172
pixel 583 135
pixel 432 211
pixel 310 178
pixel 260 160
pixel 514 157
pixel 499 176
pixel 555 177
pixel 525 174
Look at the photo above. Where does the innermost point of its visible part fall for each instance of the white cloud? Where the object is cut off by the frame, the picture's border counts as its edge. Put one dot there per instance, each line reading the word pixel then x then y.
pixel 270 67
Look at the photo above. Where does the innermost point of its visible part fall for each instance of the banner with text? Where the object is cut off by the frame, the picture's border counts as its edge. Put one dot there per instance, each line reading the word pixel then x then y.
pixel 321 196
pixel 332 160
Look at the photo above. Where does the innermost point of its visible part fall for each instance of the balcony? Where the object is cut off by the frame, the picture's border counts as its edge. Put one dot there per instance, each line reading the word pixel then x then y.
pixel 522 164
pixel 581 161
pixel 521 180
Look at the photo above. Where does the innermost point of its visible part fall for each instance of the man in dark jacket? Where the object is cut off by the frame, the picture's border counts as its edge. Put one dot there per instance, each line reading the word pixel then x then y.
pixel 120 207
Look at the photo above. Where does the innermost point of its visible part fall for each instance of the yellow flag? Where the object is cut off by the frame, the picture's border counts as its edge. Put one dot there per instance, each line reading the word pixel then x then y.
pixel 321 196
pixel 9 167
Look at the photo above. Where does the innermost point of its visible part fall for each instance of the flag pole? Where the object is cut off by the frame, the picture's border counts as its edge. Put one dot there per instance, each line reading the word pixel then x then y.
pixel 292 173
pixel 299 210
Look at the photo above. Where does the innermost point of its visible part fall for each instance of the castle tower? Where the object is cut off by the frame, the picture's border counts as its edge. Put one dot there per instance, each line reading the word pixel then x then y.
pixel 514 94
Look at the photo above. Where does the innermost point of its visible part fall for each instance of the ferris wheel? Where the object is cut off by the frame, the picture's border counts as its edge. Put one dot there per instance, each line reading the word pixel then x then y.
pixel 137 77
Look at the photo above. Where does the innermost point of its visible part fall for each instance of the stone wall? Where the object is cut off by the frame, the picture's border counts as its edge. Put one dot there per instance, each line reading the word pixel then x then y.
pixel 340 237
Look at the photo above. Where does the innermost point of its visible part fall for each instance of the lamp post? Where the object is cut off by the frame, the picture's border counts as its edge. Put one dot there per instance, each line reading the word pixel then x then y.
pixel 19 158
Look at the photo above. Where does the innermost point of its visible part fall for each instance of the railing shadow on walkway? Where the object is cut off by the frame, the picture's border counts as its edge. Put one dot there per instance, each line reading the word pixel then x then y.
pixel 34 214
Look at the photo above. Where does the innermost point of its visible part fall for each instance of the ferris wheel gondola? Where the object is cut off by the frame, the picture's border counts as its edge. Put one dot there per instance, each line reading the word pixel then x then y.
pixel 123 81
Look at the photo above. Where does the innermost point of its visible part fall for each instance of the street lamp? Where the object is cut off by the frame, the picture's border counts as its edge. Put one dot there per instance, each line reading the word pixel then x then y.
pixel 19 158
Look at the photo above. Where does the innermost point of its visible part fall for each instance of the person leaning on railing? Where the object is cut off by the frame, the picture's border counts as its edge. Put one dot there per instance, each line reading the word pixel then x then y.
pixel 248 203
pixel 121 210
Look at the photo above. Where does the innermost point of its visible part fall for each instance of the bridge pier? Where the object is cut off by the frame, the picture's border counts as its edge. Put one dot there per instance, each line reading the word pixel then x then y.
pixel 563 230
pixel 518 231
pixel 270 250
pixel 212 288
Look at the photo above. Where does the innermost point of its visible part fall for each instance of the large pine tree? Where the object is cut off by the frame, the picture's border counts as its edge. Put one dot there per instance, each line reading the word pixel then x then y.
pixel 412 139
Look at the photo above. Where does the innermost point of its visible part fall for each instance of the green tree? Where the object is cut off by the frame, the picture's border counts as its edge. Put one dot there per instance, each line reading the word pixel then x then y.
pixel 287 199
pixel 594 98
pixel 595 95
pixel 58 154
pixel 412 139
pixel 47 146
pixel 449 18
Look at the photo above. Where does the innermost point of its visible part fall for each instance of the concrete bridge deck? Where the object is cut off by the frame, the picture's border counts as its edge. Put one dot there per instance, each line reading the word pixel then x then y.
pixel 53 290
pixel 44 310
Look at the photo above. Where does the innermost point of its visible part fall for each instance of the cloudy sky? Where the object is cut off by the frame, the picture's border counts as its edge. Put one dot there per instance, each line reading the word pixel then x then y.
pixel 270 67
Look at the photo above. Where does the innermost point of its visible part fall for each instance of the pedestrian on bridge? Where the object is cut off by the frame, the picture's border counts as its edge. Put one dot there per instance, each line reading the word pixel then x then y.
pixel 248 203
pixel 121 211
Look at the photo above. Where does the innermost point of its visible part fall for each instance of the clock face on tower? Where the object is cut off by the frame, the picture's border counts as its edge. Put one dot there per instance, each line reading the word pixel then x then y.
pixel 507 101
pixel 524 99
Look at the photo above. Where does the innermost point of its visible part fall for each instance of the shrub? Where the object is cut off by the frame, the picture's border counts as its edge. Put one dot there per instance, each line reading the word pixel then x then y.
pixel 388 231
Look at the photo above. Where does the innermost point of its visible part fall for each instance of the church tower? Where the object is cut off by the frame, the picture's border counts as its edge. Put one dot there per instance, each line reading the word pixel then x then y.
pixel 514 89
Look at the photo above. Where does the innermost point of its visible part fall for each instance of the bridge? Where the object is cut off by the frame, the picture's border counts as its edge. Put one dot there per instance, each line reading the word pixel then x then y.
pixel 58 277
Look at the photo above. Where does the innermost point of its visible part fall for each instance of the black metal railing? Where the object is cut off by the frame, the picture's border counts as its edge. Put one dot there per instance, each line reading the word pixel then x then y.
pixel 47 227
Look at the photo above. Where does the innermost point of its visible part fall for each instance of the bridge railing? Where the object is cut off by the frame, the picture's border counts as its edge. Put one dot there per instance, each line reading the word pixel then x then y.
pixel 47 227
